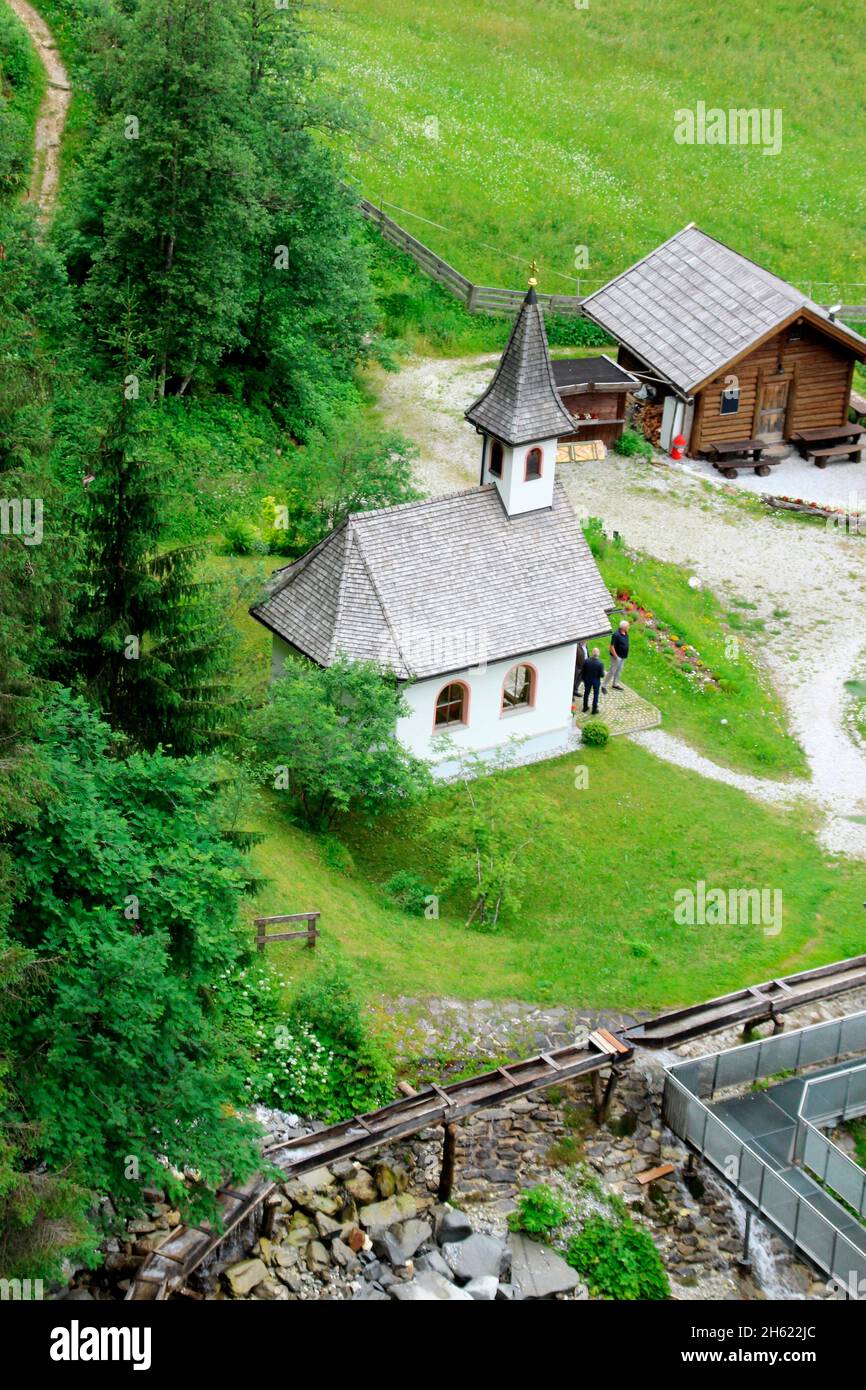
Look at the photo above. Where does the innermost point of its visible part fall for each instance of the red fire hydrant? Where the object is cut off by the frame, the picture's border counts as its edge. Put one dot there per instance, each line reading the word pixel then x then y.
pixel 678 446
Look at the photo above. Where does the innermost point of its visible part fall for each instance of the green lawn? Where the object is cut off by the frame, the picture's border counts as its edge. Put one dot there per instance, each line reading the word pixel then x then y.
pixel 597 925
pixel 555 129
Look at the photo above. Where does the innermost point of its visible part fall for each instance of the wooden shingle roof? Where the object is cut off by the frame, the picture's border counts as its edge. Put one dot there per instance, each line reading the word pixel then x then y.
pixel 435 586
pixel 693 305
pixel 521 404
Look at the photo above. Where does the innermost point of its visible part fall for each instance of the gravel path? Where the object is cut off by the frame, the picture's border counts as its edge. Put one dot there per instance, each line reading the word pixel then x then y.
pixel 808 583
pixel 839 485
pixel 52 112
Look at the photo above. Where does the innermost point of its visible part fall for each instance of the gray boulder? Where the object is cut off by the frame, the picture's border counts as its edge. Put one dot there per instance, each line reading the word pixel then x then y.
pixel 483 1290
pixel 389 1212
pixel 537 1271
pixel 475 1257
pixel 452 1226
pixel 429 1287
pixel 369 1293
pixel 399 1243
pixel 434 1261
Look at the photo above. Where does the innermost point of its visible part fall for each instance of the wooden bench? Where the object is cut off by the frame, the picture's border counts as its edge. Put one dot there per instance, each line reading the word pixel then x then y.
pixel 825 442
pixel 733 456
pixel 311 931
pixel 851 452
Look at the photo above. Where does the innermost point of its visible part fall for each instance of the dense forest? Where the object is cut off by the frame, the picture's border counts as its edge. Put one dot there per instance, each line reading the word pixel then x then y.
pixel 184 341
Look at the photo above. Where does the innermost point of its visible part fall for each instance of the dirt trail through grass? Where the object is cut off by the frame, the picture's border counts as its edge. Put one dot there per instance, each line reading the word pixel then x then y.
pixel 45 179
pixel 808 585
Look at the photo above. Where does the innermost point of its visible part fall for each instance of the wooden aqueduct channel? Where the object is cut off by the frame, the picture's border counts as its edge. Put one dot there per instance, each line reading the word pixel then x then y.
pixel 164 1271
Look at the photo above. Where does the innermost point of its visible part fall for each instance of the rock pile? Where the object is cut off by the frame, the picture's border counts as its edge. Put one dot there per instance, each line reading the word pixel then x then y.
pixel 354 1232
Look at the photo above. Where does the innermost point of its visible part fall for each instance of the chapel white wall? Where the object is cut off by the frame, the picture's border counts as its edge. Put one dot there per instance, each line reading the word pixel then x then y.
pixel 488 727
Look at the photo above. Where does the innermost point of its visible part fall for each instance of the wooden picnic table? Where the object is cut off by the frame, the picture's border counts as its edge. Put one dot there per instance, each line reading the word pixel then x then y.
pixel 825 442
pixel 730 456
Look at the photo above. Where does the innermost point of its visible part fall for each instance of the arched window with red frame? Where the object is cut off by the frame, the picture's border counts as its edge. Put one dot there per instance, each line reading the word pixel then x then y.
pixel 452 705
pixel 533 466
pixel 518 689
pixel 496 456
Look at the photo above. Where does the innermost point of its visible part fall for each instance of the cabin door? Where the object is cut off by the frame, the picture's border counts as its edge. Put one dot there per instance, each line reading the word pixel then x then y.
pixel 774 408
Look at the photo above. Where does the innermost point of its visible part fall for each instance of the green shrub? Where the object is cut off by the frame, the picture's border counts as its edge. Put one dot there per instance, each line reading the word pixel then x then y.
pixel 329 1062
pixel 242 538
pixel 539 1209
pixel 409 891
pixel 595 734
pixel 631 443
pixel 317 1058
pixel 618 1261
pixel 335 854
pixel 596 539
pixel 328 732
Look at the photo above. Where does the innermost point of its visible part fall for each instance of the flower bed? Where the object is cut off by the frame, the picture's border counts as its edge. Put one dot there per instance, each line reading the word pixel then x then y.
pixel 668 642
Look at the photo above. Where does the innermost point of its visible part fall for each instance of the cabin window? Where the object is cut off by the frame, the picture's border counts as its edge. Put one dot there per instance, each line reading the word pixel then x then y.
pixel 496 459
pixel 730 401
pixel 452 705
pixel 518 692
pixel 533 464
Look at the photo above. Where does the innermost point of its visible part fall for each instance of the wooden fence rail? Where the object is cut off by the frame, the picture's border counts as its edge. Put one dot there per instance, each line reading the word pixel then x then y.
pixel 478 299
pixel 486 299
pixel 311 931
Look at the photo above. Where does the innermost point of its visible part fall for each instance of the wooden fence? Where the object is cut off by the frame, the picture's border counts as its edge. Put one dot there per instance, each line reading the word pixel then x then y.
pixel 485 299
pixel 311 931
pixel 478 299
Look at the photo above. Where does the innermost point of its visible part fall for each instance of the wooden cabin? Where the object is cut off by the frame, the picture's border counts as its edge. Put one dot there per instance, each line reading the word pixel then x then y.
pixel 728 350
pixel 593 391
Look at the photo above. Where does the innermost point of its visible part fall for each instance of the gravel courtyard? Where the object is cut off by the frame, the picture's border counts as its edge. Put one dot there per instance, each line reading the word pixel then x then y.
pixel 814 576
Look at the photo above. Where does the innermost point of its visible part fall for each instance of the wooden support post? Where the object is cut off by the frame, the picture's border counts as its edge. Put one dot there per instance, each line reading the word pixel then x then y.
pixel 597 1094
pixel 747 1235
pixel 449 1150
pixel 778 1024
pixel 311 934
pixel 608 1096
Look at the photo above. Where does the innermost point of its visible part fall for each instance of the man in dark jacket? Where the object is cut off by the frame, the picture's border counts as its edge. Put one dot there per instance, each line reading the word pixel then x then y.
pixel 593 670
pixel 618 655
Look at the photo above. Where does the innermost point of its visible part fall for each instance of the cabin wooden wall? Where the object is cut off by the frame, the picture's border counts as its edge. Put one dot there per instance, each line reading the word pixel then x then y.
pixel 818 369
pixel 607 406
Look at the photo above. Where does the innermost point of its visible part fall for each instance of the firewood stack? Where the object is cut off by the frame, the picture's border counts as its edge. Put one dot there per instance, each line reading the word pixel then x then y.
pixel 647 417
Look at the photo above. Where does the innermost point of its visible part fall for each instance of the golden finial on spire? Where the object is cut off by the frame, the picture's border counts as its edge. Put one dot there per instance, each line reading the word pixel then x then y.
pixel 533 274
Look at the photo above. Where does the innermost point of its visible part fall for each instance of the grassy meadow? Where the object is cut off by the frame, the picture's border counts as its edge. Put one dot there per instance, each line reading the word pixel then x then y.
pixel 597 921
pixel 527 128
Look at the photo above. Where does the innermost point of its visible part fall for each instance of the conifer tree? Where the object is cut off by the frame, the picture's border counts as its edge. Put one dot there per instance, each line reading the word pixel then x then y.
pixel 178 191
pixel 152 645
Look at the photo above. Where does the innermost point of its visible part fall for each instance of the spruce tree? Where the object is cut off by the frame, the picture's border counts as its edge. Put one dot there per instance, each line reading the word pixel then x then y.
pixel 177 189
pixel 310 316
pixel 152 644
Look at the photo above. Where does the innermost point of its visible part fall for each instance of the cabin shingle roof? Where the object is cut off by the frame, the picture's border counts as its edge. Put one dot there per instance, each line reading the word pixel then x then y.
pixel 692 305
pixel 521 404
pixel 573 373
pixel 435 586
